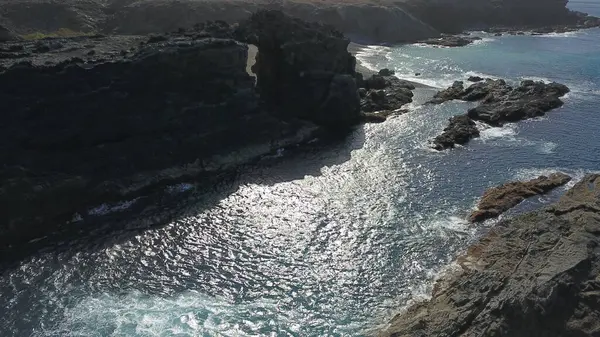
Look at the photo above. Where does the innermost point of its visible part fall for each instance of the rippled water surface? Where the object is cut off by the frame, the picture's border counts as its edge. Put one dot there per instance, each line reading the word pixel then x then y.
pixel 327 242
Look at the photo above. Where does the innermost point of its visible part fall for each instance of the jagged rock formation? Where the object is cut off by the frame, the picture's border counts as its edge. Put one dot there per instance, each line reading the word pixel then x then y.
pixel 500 104
pixel 91 119
pixel 530 99
pixel 533 276
pixel 498 200
pixel 304 69
pixel 460 130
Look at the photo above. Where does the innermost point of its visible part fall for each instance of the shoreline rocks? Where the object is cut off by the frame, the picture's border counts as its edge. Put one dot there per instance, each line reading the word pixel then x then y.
pixel 500 103
pixel 532 276
pixel 498 200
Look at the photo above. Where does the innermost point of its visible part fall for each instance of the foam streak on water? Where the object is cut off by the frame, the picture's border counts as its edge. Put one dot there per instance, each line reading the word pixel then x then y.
pixel 322 243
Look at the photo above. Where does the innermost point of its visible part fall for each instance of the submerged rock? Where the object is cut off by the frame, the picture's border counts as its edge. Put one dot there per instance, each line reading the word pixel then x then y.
pixel 460 130
pixel 533 276
pixel 500 199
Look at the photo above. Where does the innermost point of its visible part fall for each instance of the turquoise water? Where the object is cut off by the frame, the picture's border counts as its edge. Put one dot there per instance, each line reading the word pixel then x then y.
pixel 328 242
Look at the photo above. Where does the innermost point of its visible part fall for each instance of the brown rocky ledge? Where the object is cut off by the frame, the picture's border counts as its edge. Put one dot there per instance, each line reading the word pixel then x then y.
pixel 498 200
pixel 537 275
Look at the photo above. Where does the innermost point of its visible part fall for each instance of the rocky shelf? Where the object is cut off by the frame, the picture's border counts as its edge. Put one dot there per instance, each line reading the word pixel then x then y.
pixel 534 275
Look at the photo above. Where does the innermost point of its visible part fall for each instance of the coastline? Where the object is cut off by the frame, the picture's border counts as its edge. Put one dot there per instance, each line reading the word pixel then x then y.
pixel 355 49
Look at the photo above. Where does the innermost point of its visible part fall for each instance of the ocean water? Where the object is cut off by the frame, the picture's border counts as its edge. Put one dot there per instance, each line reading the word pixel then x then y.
pixel 323 242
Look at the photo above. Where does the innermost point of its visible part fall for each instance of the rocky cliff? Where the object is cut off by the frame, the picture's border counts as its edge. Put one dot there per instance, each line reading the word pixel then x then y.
pixel 97 118
pixel 534 275
pixel 368 21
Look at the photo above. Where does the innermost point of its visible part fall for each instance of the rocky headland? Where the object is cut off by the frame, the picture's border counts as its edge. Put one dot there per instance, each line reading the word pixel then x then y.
pixel 368 21
pixel 97 118
pixel 534 275
pixel 500 103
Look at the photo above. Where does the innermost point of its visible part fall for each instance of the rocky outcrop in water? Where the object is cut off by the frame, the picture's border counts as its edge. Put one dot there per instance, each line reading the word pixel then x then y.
pixel 528 100
pixel 92 119
pixel 500 104
pixel 498 200
pixel 460 130
pixel 450 41
pixel 533 276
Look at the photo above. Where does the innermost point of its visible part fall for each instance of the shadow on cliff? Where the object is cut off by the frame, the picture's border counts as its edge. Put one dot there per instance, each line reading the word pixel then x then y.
pixel 163 206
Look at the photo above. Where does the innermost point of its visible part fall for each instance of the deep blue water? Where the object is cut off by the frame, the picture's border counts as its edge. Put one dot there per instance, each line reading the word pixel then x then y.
pixel 330 242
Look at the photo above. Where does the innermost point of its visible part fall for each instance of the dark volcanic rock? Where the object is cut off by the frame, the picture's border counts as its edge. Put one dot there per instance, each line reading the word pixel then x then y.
pixel 531 99
pixel 475 92
pixel 304 69
pixel 451 41
pixel 460 130
pixel 386 72
pixel 536 275
pixel 500 199
pixel 475 79
pixel 450 93
pixel 500 103
pixel 80 129
pixel 385 93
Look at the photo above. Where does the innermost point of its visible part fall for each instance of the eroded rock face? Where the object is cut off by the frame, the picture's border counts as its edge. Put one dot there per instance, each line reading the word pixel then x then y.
pixel 500 199
pixel 460 130
pixel 304 69
pixel 532 276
